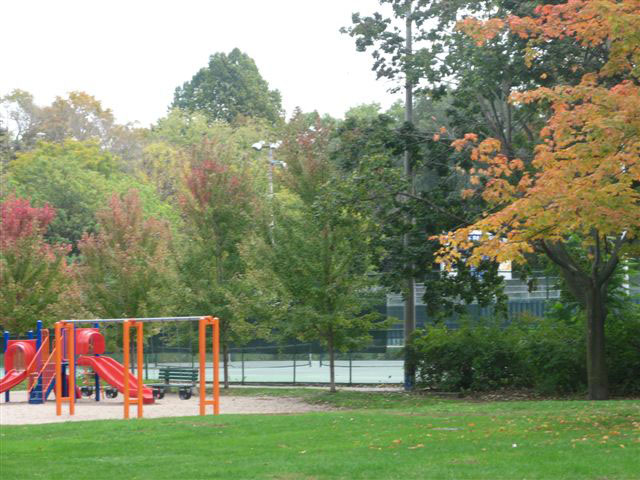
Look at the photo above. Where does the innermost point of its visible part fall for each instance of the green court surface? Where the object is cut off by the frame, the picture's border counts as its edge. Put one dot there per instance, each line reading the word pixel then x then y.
pixel 306 371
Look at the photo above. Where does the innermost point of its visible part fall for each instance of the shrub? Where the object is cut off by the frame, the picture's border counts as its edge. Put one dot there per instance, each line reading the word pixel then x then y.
pixel 546 354
pixel 553 352
pixel 623 350
pixel 474 357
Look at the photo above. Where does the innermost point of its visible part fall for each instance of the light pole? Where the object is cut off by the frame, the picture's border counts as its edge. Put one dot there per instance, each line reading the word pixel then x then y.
pixel 272 146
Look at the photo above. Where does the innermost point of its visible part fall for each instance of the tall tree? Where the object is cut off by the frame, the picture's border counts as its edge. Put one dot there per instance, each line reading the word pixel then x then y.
pixel 228 87
pixel 79 116
pixel 315 265
pixel 578 202
pixel 73 177
pixel 398 46
pixel 77 179
pixel 463 87
pixel 370 152
pixel 126 268
pixel 23 114
pixel 218 204
pixel 5 146
pixel 34 275
pixel 447 62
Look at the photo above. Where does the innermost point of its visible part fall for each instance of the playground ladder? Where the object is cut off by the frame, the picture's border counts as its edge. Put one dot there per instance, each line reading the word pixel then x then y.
pixel 43 380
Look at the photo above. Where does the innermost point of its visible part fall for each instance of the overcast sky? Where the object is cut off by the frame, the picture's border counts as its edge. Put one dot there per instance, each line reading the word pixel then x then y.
pixel 132 54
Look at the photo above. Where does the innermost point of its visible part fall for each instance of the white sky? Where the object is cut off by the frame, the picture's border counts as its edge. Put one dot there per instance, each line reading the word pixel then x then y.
pixel 132 54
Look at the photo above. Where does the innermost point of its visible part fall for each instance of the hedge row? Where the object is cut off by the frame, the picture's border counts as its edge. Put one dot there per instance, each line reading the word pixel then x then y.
pixel 547 355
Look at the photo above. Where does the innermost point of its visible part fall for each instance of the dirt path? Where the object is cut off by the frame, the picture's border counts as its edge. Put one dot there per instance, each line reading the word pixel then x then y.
pixel 20 412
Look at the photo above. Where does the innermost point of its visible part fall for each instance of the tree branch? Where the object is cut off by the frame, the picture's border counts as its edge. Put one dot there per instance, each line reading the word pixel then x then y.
pixel 559 255
pixel 598 258
pixel 465 221
pixel 611 265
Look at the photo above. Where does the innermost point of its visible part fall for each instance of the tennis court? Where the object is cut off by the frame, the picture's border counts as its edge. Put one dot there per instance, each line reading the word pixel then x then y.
pixel 302 371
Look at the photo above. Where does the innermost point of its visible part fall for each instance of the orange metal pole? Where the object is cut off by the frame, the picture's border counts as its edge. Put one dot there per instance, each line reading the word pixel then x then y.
pixel 58 347
pixel 202 333
pixel 216 366
pixel 71 356
pixel 140 360
pixel 125 373
pixel 202 350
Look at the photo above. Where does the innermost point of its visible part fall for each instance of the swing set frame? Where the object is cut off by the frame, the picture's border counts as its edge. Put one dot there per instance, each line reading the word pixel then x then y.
pixel 66 329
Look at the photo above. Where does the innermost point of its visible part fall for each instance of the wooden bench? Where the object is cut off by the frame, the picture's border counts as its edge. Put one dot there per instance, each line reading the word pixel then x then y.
pixel 182 378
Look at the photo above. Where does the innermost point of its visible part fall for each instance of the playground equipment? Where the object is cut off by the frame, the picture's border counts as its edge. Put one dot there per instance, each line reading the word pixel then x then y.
pixel 19 357
pixel 84 347
pixel 89 348
pixel 30 360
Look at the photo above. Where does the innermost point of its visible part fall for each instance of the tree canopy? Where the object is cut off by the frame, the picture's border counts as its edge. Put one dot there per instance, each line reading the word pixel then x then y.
pixel 578 201
pixel 34 276
pixel 315 266
pixel 127 266
pixel 228 87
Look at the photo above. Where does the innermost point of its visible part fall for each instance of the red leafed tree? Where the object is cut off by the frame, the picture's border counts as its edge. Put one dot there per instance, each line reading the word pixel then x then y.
pixel 579 201
pixel 33 274
pixel 218 204
pixel 126 268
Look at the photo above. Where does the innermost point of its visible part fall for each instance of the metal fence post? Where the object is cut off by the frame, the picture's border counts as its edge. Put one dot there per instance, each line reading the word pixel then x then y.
pixel 6 344
pixel 350 368
pixel 242 363
pixel 96 377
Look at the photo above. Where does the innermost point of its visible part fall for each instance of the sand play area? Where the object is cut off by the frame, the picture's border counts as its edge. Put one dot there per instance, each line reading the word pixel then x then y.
pixel 20 412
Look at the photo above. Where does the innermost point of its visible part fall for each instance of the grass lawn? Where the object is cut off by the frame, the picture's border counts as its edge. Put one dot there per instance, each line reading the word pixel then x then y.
pixel 373 436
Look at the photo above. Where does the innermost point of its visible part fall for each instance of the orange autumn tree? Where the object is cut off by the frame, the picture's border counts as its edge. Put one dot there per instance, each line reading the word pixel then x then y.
pixel 583 185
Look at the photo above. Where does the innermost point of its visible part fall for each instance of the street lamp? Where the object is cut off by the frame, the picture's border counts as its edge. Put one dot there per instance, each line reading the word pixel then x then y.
pixel 272 146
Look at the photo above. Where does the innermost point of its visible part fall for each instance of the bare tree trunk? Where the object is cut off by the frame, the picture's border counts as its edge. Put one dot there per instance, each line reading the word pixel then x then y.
pixel 596 360
pixel 332 369
pixel 593 299
pixel 590 289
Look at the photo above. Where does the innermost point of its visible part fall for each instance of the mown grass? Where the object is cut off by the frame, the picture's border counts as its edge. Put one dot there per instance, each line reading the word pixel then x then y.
pixel 342 399
pixel 372 436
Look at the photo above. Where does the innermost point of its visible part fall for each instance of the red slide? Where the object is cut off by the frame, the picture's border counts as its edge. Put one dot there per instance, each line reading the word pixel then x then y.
pixel 11 379
pixel 111 371
pixel 18 362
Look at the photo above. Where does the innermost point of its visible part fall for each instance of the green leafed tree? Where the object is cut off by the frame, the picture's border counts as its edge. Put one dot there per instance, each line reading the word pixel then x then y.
pixel 462 86
pixel 71 177
pixel 228 87
pixel 77 179
pixel 218 204
pixel 314 268
pixel 79 116
pixel 369 152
